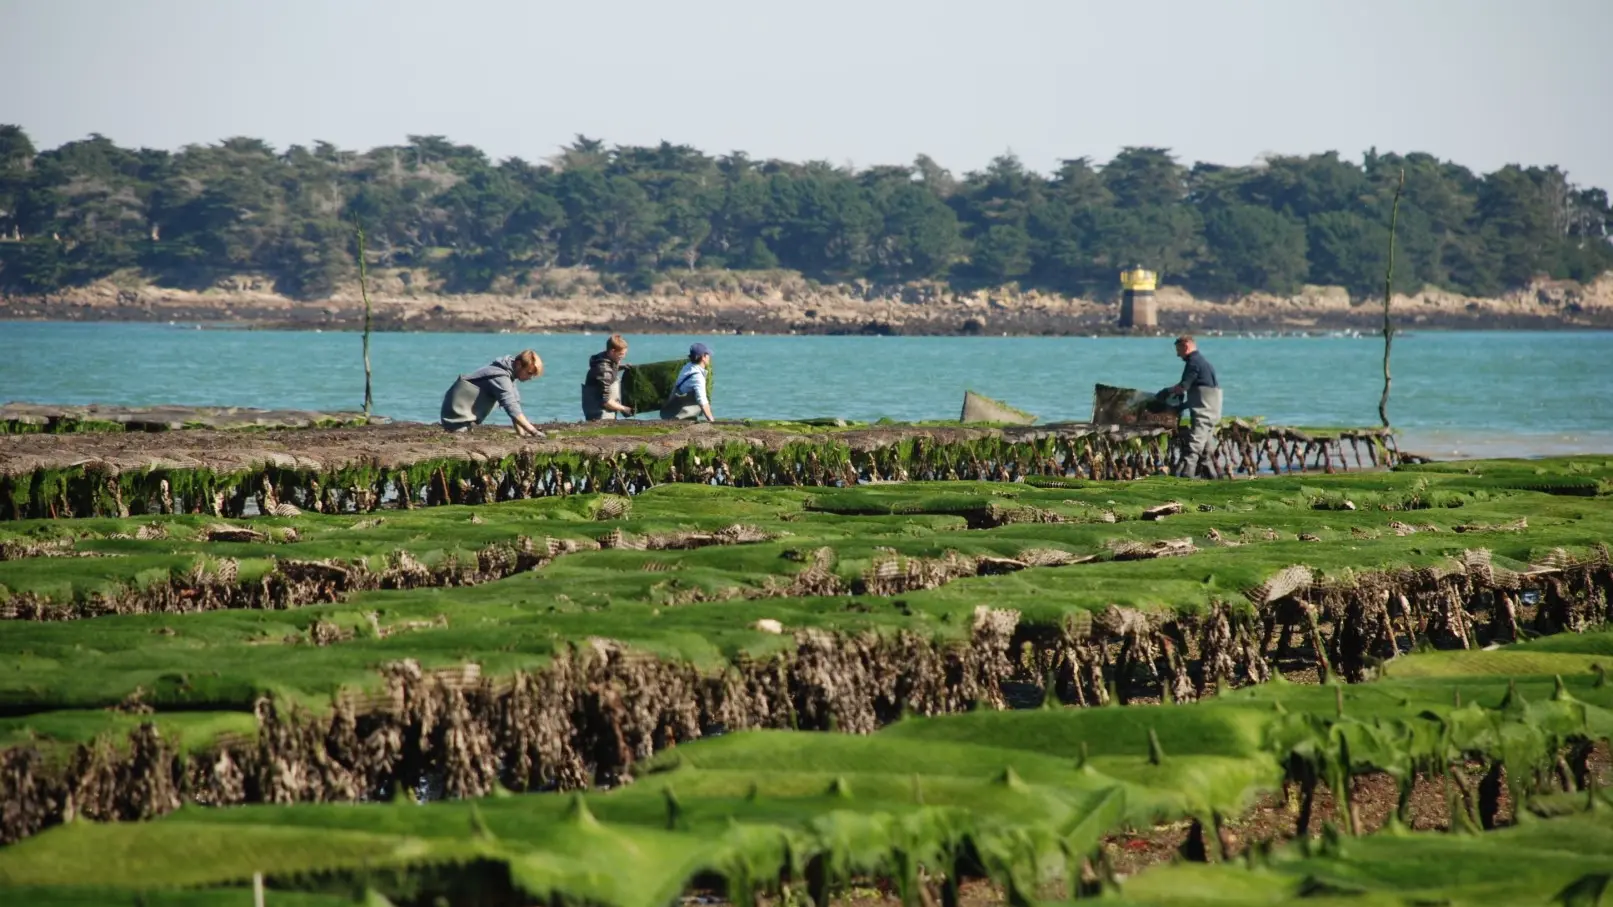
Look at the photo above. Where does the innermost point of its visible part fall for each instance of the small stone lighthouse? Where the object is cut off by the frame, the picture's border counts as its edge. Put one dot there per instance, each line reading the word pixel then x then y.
pixel 1137 307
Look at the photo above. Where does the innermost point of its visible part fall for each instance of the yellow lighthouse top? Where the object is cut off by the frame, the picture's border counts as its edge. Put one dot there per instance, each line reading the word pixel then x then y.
pixel 1138 279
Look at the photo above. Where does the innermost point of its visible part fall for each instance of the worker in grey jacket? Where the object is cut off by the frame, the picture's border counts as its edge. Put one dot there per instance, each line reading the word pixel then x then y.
pixel 1200 391
pixel 472 397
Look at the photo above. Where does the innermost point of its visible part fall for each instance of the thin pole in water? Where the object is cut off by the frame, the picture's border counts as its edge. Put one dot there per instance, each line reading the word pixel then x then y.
pixel 1388 290
pixel 363 288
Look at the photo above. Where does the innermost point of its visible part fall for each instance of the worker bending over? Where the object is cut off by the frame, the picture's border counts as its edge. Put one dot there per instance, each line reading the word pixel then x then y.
pixel 471 397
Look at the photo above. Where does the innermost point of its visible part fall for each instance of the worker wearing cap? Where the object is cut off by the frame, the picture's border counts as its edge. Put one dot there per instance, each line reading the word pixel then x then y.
pixel 1201 397
pixel 688 397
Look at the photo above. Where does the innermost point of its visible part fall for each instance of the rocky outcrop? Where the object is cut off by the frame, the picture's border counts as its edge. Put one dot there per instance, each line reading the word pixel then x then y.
pixel 782 303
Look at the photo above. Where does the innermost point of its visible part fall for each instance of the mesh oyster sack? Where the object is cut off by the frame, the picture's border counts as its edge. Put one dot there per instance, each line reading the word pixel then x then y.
pixel 646 386
pixel 1129 406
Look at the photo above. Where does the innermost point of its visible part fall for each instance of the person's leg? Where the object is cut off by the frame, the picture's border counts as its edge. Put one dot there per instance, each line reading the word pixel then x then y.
pixel 1204 447
pixel 1189 466
pixel 682 407
pixel 1182 442
pixel 614 395
pixel 459 405
pixel 486 400
pixel 1205 418
pixel 593 405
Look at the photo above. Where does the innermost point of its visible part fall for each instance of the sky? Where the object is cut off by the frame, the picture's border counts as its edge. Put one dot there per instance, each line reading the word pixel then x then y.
pixel 1480 82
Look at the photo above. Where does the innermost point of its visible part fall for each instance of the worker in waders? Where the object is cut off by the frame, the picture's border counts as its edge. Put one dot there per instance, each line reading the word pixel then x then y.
pixel 1200 394
pixel 472 397
pixel 602 387
pixel 688 397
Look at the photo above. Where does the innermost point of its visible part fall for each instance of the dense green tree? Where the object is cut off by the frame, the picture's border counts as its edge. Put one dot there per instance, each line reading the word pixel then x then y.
pixel 532 233
pixel 738 219
pixel 1003 194
pixel 1063 226
pixel 996 208
pixel 1590 233
pixel 1166 238
pixel 819 221
pixel 1348 250
pixel 1250 248
pixel 16 178
pixel 83 210
pixel 920 236
pixel 583 193
pixel 935 178
pixel 1145 177
pixel 1302 186
pixel 314 258
pixel 1526 215
pixel 1002 253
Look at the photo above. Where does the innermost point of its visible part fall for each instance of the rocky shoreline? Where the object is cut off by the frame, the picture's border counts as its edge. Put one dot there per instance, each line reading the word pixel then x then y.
pixel 795 306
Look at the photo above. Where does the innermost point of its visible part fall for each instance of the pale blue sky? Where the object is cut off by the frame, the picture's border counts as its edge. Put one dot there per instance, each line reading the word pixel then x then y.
pixel 1484 82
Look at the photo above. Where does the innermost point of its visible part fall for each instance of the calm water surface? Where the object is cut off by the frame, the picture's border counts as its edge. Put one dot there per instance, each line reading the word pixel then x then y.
pixel 1454 393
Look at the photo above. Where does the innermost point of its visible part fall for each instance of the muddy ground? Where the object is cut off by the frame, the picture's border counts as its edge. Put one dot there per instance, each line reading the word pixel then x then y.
pixel 16 417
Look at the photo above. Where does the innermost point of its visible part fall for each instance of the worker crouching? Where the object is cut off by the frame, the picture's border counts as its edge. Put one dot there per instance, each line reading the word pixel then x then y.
pixel 688 397
pixel 472 397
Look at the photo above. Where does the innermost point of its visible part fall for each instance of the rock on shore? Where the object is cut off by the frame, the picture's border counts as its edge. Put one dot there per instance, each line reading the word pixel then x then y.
pixel 785 303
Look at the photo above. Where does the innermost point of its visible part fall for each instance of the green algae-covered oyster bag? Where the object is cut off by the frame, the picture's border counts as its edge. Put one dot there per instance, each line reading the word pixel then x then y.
pixel 1129 406
pixel 647 385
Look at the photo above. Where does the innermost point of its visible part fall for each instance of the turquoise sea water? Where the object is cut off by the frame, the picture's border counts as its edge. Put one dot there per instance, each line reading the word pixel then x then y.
pixel 1454 393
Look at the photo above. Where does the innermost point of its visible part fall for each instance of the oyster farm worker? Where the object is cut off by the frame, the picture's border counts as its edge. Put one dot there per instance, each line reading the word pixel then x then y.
pixel 602 387
pixel 688 397
pixel 472 397
pixel 1201 397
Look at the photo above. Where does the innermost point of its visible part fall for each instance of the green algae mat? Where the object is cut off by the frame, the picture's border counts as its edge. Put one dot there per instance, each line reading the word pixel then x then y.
pixel 1025 799
pixel 776 691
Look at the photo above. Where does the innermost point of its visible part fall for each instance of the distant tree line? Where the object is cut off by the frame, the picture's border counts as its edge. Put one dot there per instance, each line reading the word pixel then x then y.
pixel 90 208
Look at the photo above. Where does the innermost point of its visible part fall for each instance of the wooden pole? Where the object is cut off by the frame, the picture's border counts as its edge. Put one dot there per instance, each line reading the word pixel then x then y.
pixel 363 288
pixel 1388 292
pixel 257 889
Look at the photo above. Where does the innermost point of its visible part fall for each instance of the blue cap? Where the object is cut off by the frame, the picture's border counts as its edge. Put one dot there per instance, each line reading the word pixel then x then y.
pixel 698 351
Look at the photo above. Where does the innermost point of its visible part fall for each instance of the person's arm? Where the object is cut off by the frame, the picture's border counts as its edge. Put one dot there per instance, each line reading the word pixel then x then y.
pixel 1190 376
pixel 616 405
pixel 510 399
pixel 603 374
pixel 700 395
